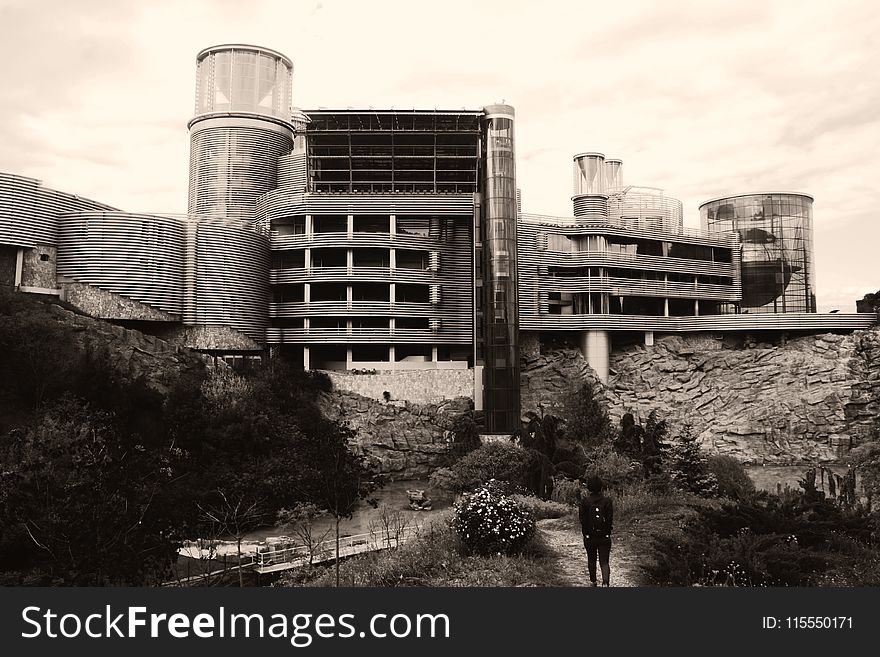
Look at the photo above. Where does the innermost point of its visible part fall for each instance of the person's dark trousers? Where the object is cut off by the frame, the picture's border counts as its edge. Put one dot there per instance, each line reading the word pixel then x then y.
pixel 600 548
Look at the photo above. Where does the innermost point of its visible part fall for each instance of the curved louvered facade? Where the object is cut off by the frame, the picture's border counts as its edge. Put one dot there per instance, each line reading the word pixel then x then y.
pixel 242 125
pixel 139 256
pixel 29 212
pixel 233 162
pixel 226 282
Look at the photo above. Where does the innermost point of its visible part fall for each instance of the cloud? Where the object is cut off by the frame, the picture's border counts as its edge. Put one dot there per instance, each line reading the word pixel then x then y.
pixel 702 99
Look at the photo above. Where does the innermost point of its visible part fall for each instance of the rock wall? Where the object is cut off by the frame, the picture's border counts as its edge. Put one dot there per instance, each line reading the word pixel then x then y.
pixel 805 399
pixel 133 354
pixel 108 305
pixel 406 440
pixel 416 386
pixel 762 403
pixel 548 374
pixel 38 267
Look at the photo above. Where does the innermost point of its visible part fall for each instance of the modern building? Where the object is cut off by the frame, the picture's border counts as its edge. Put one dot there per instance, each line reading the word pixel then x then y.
pixel 392 240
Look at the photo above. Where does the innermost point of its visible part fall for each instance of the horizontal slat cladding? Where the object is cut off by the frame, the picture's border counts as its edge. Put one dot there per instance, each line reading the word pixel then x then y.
pixel 29 212
pixel 282 203
pixel 590 207
pixel 231 279
pixel 355 240
pixel 450 240
pixel 355 274
pixel 139 256
pixel 534 260
pixel 275 335
pixel 231 167
pixel 631 287
pixel 292 175
pixel 707 323
pixel 622 228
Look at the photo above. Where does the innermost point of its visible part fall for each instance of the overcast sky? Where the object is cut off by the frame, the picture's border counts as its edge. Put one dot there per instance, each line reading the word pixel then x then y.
pixel 701 98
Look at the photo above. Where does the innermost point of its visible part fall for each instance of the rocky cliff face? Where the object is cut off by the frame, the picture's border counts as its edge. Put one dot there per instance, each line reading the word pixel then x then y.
pixel 810 398
pixel 405 441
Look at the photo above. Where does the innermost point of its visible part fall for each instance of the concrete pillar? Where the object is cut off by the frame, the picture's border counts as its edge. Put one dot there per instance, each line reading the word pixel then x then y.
pixel 434 354
pixel 348 358
pixel 307 292
pixel 393 226
pixel 307 263
pixel 350 225
pixel 478 387
pixel 19 266
pixel 697 307
pixel 392 259
pixel 306 362
pixel 666 307
pixel 392 357
pixel 349 260
pixel 649 338
pixel 596 349
pixel 310 227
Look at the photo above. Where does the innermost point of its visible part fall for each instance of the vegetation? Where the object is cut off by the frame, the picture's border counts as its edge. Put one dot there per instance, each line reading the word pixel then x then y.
pixel 434 558
pixel 102 477
pixel 488 521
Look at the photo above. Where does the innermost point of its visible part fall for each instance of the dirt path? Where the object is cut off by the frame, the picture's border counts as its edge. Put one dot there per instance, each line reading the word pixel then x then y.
pixel 563 537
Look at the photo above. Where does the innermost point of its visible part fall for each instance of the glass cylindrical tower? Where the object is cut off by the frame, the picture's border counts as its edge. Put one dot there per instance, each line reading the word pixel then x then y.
pixel 241 127
pixel 500 310
pixel 589 198
pixel 776 231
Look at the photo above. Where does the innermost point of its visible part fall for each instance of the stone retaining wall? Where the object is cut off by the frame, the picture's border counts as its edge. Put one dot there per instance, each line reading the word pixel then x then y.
pixel 416 386
pixel 805 399
pixel 404 440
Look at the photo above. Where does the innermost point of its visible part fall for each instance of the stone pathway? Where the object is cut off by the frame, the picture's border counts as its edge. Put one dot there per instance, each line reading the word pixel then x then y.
pixel 565 540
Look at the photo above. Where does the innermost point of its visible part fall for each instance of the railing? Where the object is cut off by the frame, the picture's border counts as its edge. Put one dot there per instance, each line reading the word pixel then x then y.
pixel 300 555
pixel 726 238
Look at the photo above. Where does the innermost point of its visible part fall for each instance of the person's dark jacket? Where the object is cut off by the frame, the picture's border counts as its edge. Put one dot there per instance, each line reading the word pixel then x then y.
pixel 604 503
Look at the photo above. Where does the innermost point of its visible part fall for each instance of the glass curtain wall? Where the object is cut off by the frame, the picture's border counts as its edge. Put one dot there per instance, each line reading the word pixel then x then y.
pixel 776 231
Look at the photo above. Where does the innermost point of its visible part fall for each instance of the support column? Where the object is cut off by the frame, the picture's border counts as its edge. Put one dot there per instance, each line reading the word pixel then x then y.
pixel 350 228
pixel 306 359
pixel 19 266
pixel 348 358
pixel 596 349
pixel 310 227
pixel 392 357
pixel 649 338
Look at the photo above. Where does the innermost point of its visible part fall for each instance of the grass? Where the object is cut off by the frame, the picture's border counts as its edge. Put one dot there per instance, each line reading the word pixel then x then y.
pixel 432 559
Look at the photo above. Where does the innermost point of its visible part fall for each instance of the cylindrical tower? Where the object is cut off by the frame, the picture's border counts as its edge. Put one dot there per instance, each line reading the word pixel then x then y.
pixel 776 231
pixel 613 174
pixel 241 127
pixel 589 198
pixel 500 311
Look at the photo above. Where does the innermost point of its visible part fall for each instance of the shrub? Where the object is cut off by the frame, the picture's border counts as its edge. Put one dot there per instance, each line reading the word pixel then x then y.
pixel 564 491
pixel 614 469
pixel 686 465
pixel 489 522
pixel 541 509
pixel 732 479
pixel 497 460
pixel 585 418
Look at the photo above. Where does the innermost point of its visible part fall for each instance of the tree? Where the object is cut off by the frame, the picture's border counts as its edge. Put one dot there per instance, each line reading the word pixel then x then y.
pixel 585 418
pixel 88 500
pixel 300 521
pixel 236 516
pixel 333 476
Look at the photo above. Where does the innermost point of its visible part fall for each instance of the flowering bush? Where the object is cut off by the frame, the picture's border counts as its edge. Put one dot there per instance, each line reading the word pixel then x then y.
pixel 487 521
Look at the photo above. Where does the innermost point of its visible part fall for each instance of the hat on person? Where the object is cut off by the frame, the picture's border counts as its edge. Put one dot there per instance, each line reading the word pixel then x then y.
pixel 594 484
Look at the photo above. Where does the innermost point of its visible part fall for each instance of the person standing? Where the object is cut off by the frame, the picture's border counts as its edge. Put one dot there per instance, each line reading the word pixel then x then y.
pixel 596 513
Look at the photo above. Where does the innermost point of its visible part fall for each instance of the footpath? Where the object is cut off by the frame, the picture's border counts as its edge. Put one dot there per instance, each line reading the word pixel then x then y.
pixel 566 543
